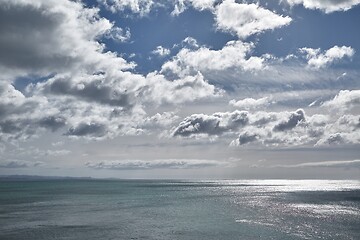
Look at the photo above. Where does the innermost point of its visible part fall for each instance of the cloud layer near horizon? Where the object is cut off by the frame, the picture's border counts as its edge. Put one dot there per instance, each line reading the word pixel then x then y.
pixel 154 164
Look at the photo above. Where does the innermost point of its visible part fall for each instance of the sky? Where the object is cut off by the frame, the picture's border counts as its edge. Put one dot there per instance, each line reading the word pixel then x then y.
pixel 201 89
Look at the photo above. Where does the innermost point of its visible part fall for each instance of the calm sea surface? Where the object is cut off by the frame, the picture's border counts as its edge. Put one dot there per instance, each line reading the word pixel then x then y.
pixel 147 209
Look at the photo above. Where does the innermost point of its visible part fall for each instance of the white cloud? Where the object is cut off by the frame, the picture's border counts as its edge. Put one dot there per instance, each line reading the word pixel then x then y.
pixel 161 51
pixel 158 90
pixel 327 6
pixel 247 19
pixel 37 153
pixel 250 103
pixel 332 139
pixel 190 42
pixel 118 34
pixel 182 5
pixel 141 7
pixel 233 55
pixel 155 164
pixel 160 120
pixel 336 164
pixel 316 59
pixel 345 100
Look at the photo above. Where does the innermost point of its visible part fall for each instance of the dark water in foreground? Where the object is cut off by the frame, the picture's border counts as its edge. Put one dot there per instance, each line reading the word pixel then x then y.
pixel 107 209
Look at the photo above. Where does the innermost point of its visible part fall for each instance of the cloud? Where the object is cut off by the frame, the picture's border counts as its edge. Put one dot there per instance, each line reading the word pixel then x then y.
pixel 327 6
pixel 247 19
pixel 293 120
pixel 22 117
pixel 96 88
pixel 158 89
pixel 95 114
pixel 272 129
pixel 233 55
pixel 335 164
pixel 318 60
pixel 52 122
pixel 154 164
pixel 91 129
pixel 345 100
pixel 235 68
pixel 27 117
pixel 144 7
pixel 88 92
pixel 92 109
pixel 92 93
pixel 190 42
pixel 118 34
pixel 42 37
pixel 161 51
pixel 182 5
pixel 352 121
pixel 160 120
pixel 141 7
pixel 36 153
pixel 339 138
pixel 247 137
pixel 19 164
pixel 215 124
pixel 250 103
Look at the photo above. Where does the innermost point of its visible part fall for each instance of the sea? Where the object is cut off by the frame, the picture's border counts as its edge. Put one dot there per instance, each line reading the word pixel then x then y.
pixel 93 209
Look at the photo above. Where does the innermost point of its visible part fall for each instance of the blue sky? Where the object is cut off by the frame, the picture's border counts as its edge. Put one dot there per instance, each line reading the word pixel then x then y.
pixel 180 88
pixel 309 28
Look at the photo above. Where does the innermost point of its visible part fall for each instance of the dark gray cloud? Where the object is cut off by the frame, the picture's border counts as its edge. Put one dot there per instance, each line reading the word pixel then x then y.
pixel 21 117
pixel 294 119
pixel 21 46
pixel 198 124
pixel 247 137
pixel 52 122
pixel 10 127
pixel 24 128
pixel 215 124
pixel 88 129
pixel 90 88
pixel 44 37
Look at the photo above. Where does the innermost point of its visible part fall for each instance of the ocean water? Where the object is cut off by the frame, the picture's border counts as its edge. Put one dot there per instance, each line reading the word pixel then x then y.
pixel 149 209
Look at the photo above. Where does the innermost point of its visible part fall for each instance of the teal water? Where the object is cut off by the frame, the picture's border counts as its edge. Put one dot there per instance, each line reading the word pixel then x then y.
pixel 147 209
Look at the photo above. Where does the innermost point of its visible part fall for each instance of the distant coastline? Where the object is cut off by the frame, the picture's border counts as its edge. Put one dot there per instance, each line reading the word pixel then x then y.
pixel 37 177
